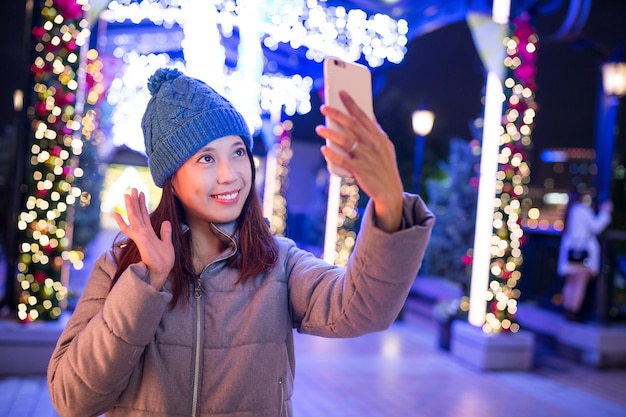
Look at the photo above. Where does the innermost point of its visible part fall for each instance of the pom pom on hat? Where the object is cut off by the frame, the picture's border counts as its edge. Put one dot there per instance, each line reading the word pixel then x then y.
pixel 160 76
pixel 183 115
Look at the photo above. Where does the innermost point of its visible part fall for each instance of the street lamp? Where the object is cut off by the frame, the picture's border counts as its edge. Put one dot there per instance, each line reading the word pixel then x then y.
pixel 423 121
pixel 613 87
pixel 614 78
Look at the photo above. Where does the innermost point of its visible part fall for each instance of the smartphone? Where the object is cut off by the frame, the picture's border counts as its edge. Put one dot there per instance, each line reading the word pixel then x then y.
pixel 356 80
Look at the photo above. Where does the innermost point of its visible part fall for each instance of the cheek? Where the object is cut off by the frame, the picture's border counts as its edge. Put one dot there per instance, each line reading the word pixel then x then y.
pixel 246 174
pixel 245 170
pixel 184 186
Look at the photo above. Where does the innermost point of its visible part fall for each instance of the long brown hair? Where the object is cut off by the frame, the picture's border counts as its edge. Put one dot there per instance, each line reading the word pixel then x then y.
pixel 257 252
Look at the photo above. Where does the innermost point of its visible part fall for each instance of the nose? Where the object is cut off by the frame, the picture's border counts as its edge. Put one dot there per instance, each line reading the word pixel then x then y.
pixel 226 172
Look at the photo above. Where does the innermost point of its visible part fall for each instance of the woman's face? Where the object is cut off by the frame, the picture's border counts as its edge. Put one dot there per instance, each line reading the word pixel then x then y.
pixel 214 183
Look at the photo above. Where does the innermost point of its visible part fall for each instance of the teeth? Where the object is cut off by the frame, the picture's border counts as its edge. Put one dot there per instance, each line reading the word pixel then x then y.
pixel 230 196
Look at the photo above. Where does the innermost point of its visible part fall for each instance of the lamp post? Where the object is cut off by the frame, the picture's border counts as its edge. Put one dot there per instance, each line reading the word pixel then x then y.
pixel 423 121
pixel 613 88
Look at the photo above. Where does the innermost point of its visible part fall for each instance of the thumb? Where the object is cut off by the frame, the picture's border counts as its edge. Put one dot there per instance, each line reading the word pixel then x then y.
pixel 166 231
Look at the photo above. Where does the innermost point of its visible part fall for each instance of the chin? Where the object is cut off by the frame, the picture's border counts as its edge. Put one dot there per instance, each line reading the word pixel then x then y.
pixel 232 215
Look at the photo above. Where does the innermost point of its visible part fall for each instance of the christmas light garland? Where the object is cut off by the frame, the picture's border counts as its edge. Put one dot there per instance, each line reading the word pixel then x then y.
pixel 512 178
pixel 45 222
pixel 284 153
pixel 346 220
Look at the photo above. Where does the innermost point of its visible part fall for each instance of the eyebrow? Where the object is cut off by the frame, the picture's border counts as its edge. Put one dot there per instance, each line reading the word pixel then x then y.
pixel 208 147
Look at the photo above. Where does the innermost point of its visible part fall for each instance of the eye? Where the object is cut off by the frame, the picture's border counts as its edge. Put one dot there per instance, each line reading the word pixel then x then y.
pixel 240 152
pixel 207 158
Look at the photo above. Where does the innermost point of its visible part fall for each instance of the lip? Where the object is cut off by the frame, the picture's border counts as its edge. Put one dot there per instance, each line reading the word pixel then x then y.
pixel 230 197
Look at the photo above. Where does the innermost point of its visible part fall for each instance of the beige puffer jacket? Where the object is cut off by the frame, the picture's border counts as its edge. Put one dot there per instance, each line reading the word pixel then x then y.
pixel 229 351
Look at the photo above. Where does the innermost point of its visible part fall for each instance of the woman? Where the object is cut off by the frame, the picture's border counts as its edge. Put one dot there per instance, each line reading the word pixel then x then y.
pixel 579 253
pixel 193 313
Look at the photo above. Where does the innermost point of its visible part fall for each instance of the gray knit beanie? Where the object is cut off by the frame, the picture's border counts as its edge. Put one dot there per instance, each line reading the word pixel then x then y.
pixel 183 115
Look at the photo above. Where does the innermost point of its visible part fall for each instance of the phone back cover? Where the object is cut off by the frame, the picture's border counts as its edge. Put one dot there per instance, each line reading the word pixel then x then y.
pixel 351 77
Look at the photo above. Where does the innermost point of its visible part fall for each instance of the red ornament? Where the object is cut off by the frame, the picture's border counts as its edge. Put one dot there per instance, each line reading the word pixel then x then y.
pixel 38 32
pixel 40 277
pixel 69 9
pixel 71 45
pixel 70 98
pixel 40 108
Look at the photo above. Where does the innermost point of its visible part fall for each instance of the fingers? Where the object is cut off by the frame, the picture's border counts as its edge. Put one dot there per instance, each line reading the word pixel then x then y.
pixel 357 126
pixel 354 109
pixel 136 209
pixel 137 220
pixel 372 162
pixel 120 222
pixel 143 208
pixel 166 231
pixel 157 252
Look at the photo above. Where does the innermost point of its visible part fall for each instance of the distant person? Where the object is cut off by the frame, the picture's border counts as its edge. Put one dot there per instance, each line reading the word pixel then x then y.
pixel 192 313
pixel 579 254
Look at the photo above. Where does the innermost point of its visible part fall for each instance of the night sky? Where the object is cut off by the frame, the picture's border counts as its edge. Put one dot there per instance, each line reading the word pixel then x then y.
pixel 442 69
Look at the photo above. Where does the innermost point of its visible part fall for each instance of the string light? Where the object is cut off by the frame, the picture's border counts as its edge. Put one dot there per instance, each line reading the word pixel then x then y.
pixel 283 154
pixel 322 30
pixel 346 220
pixel 341 217
pixel 43 224
pixel 510 205
pixel 335 31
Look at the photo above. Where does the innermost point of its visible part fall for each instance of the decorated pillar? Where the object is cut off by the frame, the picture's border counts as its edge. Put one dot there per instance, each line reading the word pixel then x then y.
pixel 44 224
pixel 499 236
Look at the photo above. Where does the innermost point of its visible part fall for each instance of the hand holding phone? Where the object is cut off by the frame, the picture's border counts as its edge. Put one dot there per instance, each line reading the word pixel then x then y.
pixel 356 80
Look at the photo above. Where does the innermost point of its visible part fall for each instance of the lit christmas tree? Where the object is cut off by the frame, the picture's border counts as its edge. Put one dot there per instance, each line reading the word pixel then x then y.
pixel 453 200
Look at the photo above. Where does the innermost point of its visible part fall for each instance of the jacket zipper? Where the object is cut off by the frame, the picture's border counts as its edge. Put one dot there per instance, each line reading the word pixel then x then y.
pixel 282 396
pixel 197 294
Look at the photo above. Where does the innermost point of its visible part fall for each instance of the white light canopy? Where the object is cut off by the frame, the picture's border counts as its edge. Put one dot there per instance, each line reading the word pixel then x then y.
pixel 249 31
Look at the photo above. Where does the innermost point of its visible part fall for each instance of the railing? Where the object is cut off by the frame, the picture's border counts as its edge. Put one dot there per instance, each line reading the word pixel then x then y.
pixel 611 287
pixel 540 283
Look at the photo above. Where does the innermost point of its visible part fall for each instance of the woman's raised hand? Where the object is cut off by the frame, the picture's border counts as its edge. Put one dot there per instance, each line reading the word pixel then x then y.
pixel 371 159
pixel 157 253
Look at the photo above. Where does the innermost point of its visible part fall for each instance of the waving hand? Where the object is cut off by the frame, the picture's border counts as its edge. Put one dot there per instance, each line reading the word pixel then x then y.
pixel 157 253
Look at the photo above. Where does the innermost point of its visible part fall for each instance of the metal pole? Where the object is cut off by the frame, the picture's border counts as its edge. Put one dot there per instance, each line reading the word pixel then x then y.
pixel 604 148
pixel 605 138
pixel 418 160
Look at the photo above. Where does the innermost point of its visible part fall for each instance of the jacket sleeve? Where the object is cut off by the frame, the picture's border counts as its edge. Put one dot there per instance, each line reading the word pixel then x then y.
pixel 596 223
pixel 104 339
pixel 366 296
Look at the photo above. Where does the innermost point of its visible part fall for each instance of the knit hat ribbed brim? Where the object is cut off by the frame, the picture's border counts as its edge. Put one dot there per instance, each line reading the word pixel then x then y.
pixel 184 115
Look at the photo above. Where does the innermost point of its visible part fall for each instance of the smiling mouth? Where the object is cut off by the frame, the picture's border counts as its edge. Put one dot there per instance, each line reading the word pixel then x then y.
pixel 227 197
